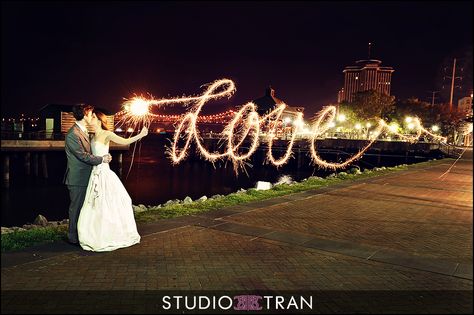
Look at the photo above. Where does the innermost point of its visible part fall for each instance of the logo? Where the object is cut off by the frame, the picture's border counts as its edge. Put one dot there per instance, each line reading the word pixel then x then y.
pixel 247 303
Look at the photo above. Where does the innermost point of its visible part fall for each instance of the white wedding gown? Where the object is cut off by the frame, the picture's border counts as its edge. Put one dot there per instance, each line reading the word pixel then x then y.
pixel 106 221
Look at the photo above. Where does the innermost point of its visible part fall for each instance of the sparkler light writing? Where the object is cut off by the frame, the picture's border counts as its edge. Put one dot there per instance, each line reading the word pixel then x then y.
pixel 247 125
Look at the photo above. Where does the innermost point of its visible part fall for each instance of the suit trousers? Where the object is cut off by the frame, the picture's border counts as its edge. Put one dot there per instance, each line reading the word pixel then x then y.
pixel 77 195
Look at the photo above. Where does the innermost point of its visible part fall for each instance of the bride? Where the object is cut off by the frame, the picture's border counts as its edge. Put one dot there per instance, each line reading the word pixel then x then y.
pixel 106 221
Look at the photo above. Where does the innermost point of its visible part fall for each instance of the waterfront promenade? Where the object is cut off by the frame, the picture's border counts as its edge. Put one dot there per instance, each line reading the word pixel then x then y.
pixel 404 239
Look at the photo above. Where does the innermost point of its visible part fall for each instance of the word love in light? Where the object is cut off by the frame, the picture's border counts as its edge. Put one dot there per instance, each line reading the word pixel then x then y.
pixel 247 125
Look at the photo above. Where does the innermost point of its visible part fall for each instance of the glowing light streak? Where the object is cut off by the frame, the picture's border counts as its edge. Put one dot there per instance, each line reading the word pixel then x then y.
pixel 246 124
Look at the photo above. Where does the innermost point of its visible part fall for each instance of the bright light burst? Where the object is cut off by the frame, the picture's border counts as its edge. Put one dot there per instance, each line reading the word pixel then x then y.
pixel 138 107
pixel 247 124
pixel 135 113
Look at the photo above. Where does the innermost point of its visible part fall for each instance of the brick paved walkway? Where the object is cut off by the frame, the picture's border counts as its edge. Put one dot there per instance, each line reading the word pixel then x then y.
pixel 410 231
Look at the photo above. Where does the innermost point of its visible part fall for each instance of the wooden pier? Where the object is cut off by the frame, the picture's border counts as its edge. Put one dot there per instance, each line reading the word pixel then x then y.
pixel 35 155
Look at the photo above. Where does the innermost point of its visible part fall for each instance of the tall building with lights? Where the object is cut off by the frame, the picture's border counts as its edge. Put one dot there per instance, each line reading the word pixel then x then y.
pixel 365 75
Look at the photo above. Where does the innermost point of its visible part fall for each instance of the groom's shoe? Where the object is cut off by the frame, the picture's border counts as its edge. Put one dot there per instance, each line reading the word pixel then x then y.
pixel 73 243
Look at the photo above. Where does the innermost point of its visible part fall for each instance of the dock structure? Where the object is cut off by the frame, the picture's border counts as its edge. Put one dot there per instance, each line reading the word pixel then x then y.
pixel 35 152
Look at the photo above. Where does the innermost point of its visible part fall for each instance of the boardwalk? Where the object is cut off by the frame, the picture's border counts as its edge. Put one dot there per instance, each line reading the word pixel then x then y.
pixel 396 243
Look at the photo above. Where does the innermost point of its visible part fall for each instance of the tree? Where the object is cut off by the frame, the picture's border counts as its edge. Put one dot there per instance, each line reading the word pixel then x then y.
pixel 413 107
pixel 372 104
pixel 449 120
pixel 437 114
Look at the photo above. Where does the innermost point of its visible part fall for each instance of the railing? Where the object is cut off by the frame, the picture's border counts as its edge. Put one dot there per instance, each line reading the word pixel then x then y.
pixel 32 135
pixel 450 150
pixel 47 135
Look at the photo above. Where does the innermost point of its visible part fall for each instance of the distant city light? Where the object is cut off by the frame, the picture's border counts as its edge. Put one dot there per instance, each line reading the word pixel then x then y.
pixel 130 130
pixel 368 125
pixel 118 130
pixel 358 126
pixel 393 127
pixel 435 128
pixel 287 120
pixel 331 124
pixel 298 123
pixel 341 118
pixel 408 119
pixel 411 126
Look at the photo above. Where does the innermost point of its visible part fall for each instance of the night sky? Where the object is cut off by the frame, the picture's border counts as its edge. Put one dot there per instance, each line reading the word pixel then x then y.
pixel 99 53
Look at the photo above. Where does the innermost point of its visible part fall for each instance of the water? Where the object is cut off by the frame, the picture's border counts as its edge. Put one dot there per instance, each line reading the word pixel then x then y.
pixel 152 180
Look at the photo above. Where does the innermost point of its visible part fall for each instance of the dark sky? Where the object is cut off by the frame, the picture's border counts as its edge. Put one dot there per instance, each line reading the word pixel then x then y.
pixel 99 53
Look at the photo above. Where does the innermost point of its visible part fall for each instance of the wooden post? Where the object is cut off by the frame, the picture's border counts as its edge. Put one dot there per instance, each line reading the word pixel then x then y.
pixel 27 163
pixel 299 159
pixel 6 170
pixel 119 160
pixel 35 164
pixel 44 165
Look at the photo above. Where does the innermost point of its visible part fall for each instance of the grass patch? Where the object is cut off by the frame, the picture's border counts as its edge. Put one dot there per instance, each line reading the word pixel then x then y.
pixel 250 195
pixel 176 210
pixel 22 239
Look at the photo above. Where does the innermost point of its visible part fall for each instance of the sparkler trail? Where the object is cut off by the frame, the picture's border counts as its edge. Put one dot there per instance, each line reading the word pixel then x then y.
pixel 247 123
pixel 467 130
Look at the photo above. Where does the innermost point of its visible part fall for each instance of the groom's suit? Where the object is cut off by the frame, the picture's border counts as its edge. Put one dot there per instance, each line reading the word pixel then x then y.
pixel 79 167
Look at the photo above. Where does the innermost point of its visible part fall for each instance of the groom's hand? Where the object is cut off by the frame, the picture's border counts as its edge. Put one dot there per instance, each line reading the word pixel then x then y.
pixel 107 158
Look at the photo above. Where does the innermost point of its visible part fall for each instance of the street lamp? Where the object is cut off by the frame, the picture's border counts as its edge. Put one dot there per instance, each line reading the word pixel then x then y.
pixel 393 127
pixel 435 128
pixel 367 125
pixel 408 119
pixel 341 118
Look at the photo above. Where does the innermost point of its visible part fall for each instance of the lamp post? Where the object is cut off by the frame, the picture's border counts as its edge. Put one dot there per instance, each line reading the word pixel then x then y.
pixel 367 125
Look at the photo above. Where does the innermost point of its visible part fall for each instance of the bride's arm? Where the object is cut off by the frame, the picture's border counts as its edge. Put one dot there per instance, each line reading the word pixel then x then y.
pixel 119 140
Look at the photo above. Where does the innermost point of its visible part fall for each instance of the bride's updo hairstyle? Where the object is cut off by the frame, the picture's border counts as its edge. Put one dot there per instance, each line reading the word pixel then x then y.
pixel 103 119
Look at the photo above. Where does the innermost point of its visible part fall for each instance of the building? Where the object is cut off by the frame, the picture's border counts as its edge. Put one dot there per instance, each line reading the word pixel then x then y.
pixel 365 75
pixel 269 101
pixel 58 119
pixel 465 104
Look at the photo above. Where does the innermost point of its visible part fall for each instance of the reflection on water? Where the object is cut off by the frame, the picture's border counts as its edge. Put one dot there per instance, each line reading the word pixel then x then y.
pixel 152 180
pixel 155 180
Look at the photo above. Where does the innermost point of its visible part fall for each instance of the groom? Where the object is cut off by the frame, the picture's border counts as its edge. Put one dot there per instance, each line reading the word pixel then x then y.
pixel 79 164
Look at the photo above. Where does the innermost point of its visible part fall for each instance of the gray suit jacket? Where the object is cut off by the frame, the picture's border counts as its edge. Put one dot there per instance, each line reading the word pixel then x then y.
pixel 79 157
